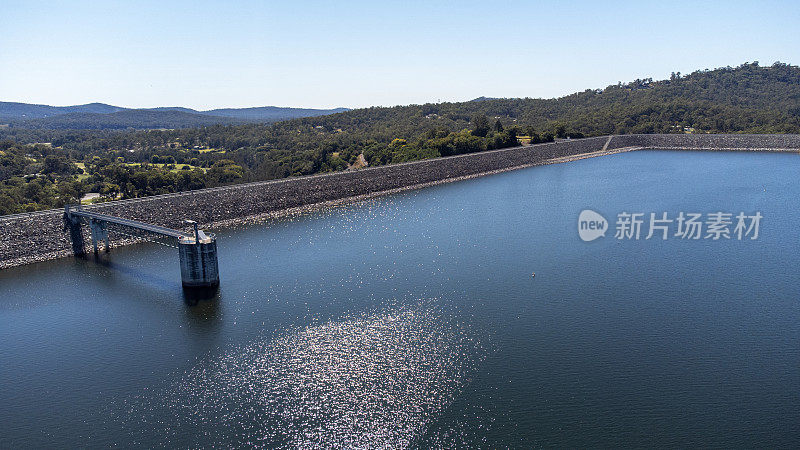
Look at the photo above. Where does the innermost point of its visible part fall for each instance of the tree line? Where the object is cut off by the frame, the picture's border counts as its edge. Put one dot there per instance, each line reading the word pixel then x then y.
pixel 746 99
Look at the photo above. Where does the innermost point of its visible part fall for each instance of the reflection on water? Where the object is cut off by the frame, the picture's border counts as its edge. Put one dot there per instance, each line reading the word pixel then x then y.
pixel 110 270
pixel 202 307
pixel 363 381
pixel 196 295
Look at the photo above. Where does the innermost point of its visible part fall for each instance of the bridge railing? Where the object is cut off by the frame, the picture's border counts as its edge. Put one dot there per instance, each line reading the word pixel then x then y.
pixel 126 222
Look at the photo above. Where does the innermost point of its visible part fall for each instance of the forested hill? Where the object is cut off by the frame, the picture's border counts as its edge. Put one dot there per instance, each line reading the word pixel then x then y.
pixel 168 118
pixel 127 164
pixel 749 98
pixel 23 111
pixel 99 116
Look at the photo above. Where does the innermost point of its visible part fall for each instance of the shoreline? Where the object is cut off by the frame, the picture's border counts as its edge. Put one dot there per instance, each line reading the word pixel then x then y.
pixel 38 236
pixel 313 207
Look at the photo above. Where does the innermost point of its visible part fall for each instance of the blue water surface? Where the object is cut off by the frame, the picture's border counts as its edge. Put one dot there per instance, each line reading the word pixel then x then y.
pixel 415 319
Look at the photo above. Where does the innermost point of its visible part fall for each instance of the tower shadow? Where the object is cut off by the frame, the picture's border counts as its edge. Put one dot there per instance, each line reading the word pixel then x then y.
pixel 193 296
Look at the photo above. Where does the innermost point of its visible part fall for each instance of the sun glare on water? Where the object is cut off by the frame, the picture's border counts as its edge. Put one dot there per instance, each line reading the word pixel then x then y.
pixel 367 381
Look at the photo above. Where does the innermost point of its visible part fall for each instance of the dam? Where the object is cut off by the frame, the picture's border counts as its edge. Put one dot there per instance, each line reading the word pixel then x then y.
pixel 37 236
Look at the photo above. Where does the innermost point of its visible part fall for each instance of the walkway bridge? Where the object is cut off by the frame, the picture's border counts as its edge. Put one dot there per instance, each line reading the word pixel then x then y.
pixel 197 250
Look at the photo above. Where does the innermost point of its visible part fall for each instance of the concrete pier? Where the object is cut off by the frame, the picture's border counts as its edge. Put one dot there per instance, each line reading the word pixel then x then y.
pixel 99 234
pixel 73 225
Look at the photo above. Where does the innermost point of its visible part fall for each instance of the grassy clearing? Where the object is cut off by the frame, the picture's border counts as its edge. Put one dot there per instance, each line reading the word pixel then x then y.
pixel 84 175
pixel 178 167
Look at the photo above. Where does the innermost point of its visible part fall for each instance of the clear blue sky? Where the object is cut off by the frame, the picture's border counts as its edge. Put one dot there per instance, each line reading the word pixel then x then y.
pixel 323 54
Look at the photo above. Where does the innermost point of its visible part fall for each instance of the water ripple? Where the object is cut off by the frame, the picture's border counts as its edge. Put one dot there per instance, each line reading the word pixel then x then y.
pixel 373 380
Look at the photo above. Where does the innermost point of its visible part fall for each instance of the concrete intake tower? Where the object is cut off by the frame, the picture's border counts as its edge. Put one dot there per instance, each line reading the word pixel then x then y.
pixel 197 251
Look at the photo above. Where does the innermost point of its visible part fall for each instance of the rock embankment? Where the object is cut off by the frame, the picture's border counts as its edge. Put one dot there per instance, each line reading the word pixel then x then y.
pixel 766 142
pixel 38 236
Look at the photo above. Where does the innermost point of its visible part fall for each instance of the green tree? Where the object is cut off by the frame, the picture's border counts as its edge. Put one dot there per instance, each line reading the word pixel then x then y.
pixel 109 191
pixel 57 164
pixel 480 125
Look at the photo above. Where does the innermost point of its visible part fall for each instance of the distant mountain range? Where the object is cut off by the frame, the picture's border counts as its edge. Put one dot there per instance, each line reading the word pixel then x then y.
pixel 94 116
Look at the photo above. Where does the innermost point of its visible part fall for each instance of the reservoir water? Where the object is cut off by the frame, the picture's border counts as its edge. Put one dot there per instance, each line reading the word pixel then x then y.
pixel 415 319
